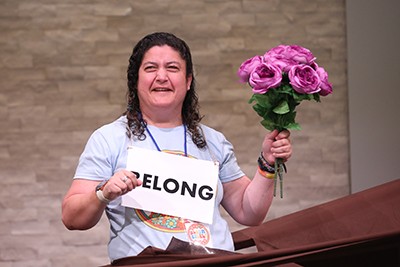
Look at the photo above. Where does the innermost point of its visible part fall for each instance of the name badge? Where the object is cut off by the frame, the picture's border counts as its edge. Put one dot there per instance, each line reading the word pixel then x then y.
pixel 198 234
pixel 173 185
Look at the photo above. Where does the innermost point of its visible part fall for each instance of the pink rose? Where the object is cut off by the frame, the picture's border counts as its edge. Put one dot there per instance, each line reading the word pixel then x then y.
pixel 264 77
pixel 247 67
pixel 286 56
pixel 326 87
pixel 301 55
pixel 304 79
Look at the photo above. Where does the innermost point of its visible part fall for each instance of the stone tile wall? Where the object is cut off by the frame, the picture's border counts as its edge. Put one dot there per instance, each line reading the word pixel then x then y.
pixel 62 75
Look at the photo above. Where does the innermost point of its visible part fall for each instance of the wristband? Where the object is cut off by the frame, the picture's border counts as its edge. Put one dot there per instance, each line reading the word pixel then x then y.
pixel 101 197
pixel 266 174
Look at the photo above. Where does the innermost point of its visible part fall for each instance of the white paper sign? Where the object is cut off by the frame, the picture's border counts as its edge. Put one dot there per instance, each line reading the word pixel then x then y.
pixel 172 185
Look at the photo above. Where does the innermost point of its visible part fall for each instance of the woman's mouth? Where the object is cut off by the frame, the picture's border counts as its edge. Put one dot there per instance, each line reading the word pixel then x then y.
pixel 161 89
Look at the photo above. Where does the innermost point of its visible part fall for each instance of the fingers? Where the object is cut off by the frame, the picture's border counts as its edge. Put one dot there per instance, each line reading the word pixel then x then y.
pixel 272 135
pixel 275 135
pixel 277 145
pixel 126 185
pixel 283 152
pixel 121 183
pixel 282 149
pixel 131 179
pixel 285 134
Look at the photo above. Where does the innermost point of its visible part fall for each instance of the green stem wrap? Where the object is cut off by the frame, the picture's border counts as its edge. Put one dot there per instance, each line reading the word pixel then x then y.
pixel 279 169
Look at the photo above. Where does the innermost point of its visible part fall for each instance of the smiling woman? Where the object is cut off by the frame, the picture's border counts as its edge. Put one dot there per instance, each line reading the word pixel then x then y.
pixel 163 115
pixel 162 86
pixel 190 109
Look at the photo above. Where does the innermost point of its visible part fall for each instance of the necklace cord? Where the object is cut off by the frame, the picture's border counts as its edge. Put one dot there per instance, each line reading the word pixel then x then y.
pixel 155 143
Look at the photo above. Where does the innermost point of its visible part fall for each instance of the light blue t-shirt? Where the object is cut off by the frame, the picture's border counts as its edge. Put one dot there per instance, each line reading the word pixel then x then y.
pixel 133 230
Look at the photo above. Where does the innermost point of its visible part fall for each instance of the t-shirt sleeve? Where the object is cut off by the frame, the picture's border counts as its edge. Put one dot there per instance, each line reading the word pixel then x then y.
pixel 229 168
pixel 222 151
pixel 95 161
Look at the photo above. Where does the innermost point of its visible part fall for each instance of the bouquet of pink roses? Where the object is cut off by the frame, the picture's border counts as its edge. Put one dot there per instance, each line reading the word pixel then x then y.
pixel 280 80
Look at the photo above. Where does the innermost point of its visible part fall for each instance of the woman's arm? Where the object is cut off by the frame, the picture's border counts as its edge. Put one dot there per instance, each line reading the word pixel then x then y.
pixel 248 201
pixel 82 209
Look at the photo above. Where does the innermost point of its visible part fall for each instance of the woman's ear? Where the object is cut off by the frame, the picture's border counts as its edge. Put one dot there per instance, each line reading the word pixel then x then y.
pixel 189 82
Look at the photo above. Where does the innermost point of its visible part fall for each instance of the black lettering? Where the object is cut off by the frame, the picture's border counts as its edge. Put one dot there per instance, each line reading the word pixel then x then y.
pixel 146 182
pixel 176 186
pixel 208 195
pixel 172 186
pixel 155 187
pixel 191 191
pixel 136 174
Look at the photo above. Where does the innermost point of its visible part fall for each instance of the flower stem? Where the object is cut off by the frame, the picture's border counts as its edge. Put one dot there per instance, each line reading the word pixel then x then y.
pixel 279 169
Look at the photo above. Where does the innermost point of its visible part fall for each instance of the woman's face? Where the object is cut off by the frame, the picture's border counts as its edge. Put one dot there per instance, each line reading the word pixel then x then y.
pixel 162 82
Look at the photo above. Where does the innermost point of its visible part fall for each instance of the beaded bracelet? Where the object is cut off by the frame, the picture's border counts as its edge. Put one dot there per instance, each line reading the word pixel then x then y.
pixel 264 165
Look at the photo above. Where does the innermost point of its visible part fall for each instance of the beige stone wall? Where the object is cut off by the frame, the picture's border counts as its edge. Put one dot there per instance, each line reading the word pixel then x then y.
pixel 62 75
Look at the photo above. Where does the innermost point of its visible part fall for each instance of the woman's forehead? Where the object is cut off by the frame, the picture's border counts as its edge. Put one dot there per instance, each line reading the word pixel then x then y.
pixel 162 52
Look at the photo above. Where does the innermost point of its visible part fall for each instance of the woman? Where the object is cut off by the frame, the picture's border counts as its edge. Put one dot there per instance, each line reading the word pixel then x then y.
pixel 163 115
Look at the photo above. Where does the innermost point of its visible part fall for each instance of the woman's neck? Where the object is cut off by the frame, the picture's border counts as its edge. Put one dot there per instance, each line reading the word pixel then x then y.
pixel 162 120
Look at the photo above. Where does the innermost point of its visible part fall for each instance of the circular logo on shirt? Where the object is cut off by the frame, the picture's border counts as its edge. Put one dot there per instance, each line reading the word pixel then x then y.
pixel 198 234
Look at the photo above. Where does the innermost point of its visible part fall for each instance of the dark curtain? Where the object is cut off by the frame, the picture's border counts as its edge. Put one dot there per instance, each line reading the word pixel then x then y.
pixel 361 229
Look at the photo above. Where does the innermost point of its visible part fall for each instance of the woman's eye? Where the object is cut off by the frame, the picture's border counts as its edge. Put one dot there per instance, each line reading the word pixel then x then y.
pixel 150 68
pixel 173 68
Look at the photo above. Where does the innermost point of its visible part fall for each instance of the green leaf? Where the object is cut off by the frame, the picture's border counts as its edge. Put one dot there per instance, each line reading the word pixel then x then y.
pixel 316 97
pixel 282 108
pixel 263 100
pixel 260 110
pixel 269 125
pixel 293 126
pixel 287 89
pixel 277 107
pixel 300 97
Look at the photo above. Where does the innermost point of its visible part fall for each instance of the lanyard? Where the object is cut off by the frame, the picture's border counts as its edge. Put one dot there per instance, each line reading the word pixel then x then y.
pixel 155 143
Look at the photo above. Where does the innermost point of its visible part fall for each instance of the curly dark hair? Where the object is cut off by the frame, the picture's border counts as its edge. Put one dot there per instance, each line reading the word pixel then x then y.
pixel 190 109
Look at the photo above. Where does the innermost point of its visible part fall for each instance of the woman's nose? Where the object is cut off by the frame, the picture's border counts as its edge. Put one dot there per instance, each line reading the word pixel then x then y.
pixel 162 75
